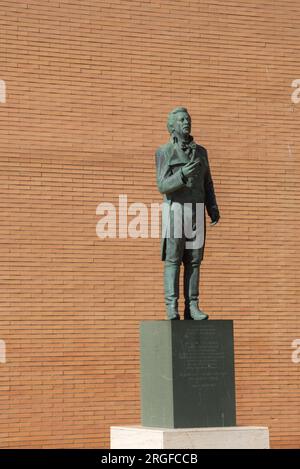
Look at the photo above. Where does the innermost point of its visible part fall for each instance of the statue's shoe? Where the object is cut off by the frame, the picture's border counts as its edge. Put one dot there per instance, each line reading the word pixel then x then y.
pixel 172 312
pixel 192 311
pixel 199 315
pixel 174 318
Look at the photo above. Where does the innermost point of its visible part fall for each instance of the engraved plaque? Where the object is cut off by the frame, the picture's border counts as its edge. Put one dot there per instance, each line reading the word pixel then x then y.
pixel 187 374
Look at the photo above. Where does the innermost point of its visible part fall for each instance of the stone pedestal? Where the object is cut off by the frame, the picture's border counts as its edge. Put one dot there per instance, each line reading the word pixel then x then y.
pixel 136 437
pixel 188 390
pixel 187 374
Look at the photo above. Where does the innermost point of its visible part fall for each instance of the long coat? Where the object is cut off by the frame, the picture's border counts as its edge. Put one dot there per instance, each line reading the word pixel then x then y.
pixel 197 188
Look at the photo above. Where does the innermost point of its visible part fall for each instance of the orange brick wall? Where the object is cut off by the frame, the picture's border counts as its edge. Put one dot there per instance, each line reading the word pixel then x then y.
pixel 89 85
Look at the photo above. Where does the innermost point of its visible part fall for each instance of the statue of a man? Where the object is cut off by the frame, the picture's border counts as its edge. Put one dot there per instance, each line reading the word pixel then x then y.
pixel 184 178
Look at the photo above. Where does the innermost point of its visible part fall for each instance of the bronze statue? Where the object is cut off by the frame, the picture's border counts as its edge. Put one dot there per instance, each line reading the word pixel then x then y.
pixel 184 178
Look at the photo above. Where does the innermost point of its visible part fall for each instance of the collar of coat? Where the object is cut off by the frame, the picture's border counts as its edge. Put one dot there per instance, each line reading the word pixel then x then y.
pixel 177 156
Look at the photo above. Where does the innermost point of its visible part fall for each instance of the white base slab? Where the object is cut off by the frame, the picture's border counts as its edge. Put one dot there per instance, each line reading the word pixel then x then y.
pixel 138 437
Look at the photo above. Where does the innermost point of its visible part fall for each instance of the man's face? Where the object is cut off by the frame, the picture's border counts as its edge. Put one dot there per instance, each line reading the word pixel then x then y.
pixel 182 125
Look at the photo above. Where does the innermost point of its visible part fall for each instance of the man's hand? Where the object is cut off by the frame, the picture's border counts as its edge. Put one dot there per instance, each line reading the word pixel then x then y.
pixel 192 167
pixel 215 216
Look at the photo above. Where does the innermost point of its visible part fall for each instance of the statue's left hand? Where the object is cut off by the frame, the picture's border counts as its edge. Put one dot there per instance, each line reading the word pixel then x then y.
pixel 215 217
pixel 213 223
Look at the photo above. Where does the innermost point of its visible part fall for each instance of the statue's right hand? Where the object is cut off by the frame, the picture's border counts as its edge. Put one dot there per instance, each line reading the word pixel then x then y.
pixel 190 168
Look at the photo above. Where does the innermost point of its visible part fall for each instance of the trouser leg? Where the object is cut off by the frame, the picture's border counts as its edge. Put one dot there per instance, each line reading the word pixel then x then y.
pixel 173 259
pixel 171 284
pixel 191 286
pixel 192 260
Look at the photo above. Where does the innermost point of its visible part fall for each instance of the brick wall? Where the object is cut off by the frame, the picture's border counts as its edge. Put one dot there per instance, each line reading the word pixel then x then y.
pixel 89 85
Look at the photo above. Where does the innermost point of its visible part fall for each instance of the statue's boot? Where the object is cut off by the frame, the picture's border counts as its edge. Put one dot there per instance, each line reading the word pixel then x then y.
pixel 191 293
pixel 171 284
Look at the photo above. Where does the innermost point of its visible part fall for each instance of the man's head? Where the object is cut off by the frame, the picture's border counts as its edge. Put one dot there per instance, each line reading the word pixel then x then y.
pixel 179 123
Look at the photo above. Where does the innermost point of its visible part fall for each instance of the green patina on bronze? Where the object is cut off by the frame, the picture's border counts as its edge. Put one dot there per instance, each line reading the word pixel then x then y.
pixel 183 176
